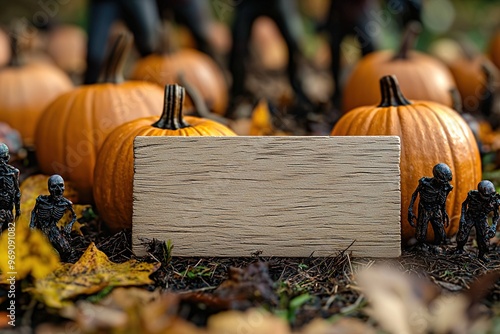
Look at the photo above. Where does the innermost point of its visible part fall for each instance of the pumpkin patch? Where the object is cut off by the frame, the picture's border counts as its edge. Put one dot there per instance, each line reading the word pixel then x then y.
pixel 74 127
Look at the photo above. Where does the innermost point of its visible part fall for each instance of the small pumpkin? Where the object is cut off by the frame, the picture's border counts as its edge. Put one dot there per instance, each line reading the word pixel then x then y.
pixel 469 72
pixel 421 76
pixel 5 52
pixel 25 91
pixel 73 128
pixel 114 169
pixel 67 46
pixel 430 133
pixel 269 45
pixel 197 68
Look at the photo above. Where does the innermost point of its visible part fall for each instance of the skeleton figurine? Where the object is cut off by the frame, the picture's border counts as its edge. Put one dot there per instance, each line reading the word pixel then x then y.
pixel 475 210
pixel 10 195
pixel 48 210
pixel 432 206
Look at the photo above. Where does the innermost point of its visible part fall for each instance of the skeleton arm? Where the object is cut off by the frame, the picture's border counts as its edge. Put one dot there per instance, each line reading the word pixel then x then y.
pixel 33 215
pixel 17 199
pixel 446 218
pixel 496 216
pixel 411 216
pixel 464 209
pixel 69 227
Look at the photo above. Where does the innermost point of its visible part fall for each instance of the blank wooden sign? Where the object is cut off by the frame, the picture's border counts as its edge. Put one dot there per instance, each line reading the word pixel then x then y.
pixel 283 196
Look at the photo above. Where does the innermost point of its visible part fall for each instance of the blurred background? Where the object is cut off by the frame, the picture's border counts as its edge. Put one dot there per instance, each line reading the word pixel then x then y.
pixel 296 55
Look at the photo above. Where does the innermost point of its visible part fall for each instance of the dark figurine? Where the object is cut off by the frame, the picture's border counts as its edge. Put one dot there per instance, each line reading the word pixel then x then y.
pixel 140 16
pixel 475 210
pixel 286 15
pixel 48 210
pixel 10 195
pixel 432 205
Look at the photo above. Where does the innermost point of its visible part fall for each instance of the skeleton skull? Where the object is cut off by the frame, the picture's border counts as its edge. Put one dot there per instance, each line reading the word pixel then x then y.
pixel 4 153
pixel 56 185
pixel 486 189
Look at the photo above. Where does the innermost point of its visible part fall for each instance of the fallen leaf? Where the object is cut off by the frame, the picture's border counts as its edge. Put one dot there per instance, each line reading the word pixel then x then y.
pixel 244 288
pixel 342 326
pixel 402 303
pixel 131 310
pixel 262 124
pixel 27 253
pixel 90 274
pixel 253 321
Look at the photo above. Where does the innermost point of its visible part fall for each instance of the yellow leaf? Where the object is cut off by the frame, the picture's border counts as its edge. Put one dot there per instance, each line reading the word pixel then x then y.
pixel 24 251
pixel 262 124
pixel 93 272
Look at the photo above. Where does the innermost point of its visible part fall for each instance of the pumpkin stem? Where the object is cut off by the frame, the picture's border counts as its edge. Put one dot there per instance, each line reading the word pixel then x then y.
pixel 168 39
pixel 391 92
pixel 113 67
pixel 171 117
pixel 413 29
pixel 14 56
pixel 16 30
pixel 488 96
pixel 200 106
pixel 468 49
pixel 456 100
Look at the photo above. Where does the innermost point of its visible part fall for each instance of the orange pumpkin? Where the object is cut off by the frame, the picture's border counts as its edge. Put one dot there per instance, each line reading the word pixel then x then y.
pixel 5 52
pixel 421 76
pixel 494 48
pixel 114 169
pixel 74 127
pixel 430 133
pixel 469 71
pixel 25 91
pixel 67 45
pixel 196 67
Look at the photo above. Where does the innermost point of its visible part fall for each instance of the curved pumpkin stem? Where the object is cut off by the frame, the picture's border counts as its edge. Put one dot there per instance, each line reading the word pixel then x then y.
pixel 413 29
pixel 171 117
pixel 113 68
pixel 16 30
pixel 391 93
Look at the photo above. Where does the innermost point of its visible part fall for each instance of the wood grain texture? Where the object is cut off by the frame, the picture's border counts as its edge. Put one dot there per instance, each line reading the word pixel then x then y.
pixel 284 196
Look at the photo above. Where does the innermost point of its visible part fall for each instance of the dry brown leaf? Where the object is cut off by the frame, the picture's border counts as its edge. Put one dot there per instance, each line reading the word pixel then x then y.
pixel 253 321
pixel 90 274
pixel 28 253
pixel 401 304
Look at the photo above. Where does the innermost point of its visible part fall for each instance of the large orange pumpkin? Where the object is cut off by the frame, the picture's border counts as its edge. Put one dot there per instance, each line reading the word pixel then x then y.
pixel 197 68
pixel 25 91
pixel 73 128
pixel 114 169
pixel 421 76
pixel 430 133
